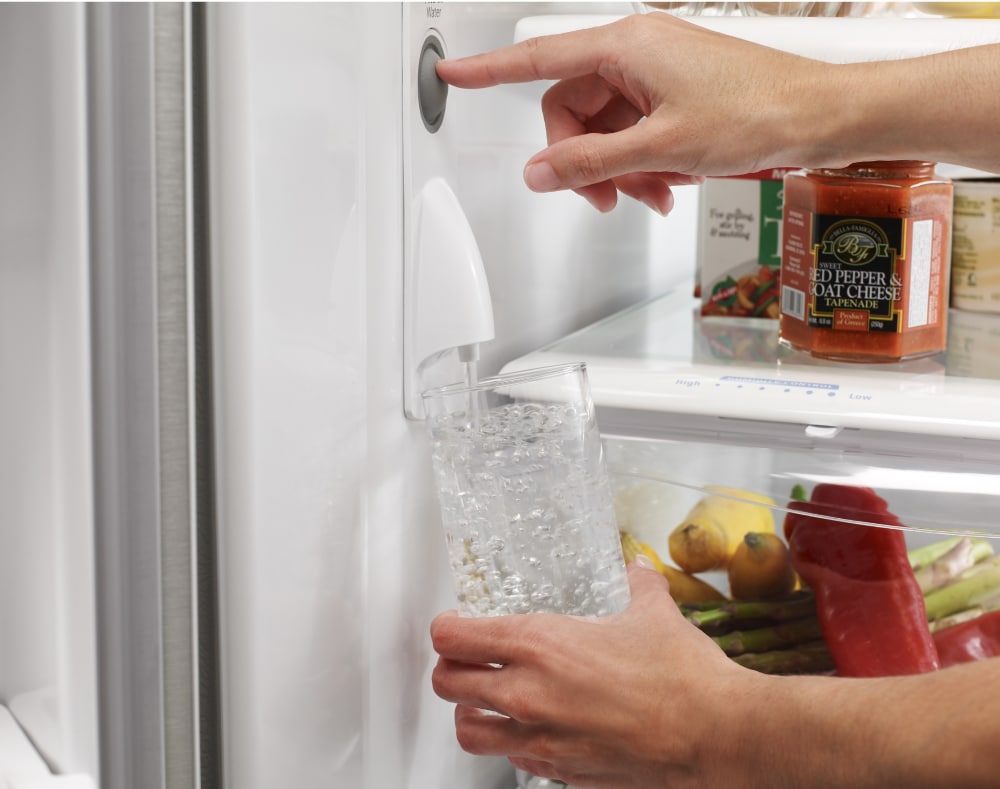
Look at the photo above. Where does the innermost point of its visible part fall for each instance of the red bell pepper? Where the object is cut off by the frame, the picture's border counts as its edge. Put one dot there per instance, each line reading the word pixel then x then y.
pixel 975 639
pixel 863 502
pixel 870 608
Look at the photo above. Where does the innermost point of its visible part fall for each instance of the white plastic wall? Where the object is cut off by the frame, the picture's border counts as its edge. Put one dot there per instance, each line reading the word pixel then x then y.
pixel 47 615
pixel 291 363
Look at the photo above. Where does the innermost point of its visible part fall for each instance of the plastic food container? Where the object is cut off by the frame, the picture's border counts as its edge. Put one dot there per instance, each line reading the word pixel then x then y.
pixel 878 559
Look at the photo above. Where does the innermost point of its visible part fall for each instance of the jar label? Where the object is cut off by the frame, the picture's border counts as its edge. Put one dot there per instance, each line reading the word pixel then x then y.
pixel 975 251
pixel 867 274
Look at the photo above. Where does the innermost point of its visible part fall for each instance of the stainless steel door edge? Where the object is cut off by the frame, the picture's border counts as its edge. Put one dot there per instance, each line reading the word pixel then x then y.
pixel 147 360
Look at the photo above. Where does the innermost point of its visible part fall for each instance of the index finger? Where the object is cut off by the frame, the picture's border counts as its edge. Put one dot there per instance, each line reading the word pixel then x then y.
pixel 558 56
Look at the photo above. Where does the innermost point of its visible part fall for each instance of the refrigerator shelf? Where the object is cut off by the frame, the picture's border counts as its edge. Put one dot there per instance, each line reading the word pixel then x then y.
pixel 660 366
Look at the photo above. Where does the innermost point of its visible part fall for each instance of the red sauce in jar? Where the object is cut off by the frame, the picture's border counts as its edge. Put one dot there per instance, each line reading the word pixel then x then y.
pixel 865 257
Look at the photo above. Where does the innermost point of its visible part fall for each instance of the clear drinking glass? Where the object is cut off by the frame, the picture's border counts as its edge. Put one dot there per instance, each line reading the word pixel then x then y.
pixel 525 498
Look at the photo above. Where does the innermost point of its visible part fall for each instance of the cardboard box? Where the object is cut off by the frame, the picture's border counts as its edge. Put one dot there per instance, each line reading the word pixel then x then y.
pixel 739 245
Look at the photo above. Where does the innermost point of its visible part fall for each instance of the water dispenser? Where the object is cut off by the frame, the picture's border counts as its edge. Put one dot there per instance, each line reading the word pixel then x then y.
pixel 447 309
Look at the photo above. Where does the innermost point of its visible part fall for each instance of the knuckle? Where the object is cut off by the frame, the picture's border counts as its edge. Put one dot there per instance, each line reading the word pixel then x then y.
pixel 523 706
pixel 633 24
pixel 637 30
pixel 544 747
pixel 532 48
pixel 589 161
pixel 527 700
pixel 535 639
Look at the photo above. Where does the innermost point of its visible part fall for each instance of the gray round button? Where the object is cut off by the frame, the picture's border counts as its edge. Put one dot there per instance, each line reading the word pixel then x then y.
pixel 432 91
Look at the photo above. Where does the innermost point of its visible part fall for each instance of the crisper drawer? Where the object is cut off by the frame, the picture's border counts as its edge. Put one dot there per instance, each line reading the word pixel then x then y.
pixel 713 421
pixel 805 561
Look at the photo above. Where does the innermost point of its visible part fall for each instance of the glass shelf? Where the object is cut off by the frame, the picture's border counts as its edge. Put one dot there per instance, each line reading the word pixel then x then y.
pixel 662 358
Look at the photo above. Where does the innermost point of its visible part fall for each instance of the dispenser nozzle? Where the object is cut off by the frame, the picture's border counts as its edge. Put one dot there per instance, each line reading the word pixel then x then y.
pixel 447 303
pixel 468 353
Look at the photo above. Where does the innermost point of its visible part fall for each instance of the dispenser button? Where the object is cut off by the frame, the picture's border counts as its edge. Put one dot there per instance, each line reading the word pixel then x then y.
pixel 432 91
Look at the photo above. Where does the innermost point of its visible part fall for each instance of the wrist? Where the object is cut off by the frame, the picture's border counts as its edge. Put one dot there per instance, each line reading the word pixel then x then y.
pixel 895 110
pixel 739 742
pixel 838 110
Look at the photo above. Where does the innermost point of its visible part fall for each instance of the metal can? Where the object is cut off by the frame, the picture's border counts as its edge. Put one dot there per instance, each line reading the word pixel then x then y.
pixel 865 261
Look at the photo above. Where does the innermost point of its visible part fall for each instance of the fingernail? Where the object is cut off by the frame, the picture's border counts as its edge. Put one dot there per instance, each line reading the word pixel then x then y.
pixel 654 206
pixel 644 562
pixel 595 203
pixel 540 177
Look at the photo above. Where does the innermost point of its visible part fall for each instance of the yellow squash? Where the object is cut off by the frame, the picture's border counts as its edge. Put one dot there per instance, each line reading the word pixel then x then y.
pixel 714 528
pixel 684 588
pixel 761 568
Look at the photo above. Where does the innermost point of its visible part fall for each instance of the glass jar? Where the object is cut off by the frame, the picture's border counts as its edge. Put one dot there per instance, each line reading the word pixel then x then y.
pixel 975 246
pixel 865 261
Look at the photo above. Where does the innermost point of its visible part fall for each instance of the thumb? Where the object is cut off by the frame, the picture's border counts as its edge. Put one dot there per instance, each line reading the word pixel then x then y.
pixel 646 582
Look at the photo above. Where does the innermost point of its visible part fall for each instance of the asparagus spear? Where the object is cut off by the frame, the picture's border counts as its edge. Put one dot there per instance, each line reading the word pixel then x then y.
pixel 925 554
pixel 811 658
pixel 978 583
pixel 764 639
pixel 734 611
pixel 928 554
pixel 955 619
pixel 948 566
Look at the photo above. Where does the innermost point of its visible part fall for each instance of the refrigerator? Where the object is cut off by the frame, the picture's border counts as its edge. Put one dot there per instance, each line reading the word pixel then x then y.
pixel 236 241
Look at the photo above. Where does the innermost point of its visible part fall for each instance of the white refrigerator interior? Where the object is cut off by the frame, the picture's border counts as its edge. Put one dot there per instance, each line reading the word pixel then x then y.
pixel 48 681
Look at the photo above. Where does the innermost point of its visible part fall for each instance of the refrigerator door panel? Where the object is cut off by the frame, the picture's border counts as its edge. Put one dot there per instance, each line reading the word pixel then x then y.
pixel 288 278
pixel 332 562
pixel 48 650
